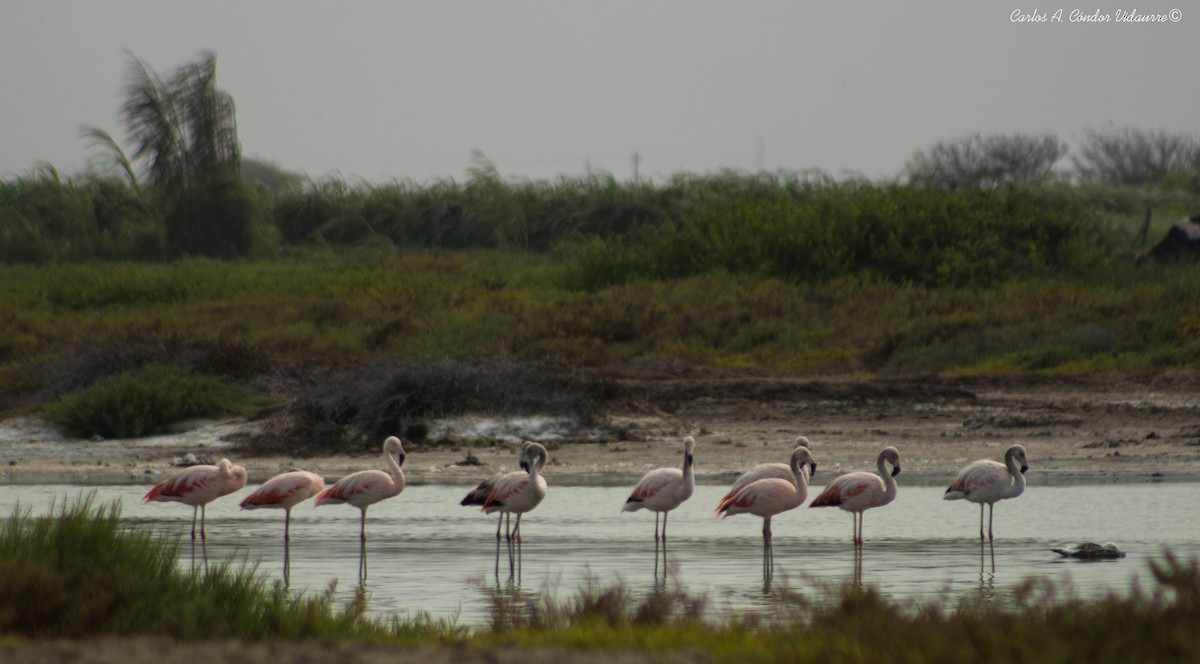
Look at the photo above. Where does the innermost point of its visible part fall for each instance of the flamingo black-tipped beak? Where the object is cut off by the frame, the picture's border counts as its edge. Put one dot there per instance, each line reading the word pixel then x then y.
pixel 524 465
pixel 895 470
pixel 400 459
pixel 1023 469
pixel 812 469
pixel 689 459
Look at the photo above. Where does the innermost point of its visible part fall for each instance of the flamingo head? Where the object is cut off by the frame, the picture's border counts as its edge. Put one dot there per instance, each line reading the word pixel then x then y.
pixel 801 456
pixel 892 456
pixel 394 447
pixel 802 441
pixel 689 451
pixel 1018 453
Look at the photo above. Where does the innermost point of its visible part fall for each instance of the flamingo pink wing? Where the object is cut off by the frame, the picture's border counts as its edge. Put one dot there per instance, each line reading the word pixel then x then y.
pixel 185 482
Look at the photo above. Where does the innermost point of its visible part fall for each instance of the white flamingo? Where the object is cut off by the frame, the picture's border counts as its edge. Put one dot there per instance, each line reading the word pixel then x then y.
pixel 663 489
pixel 769 496
pixel 985 482
pixel 860 491
pixel 513 493
pixel 367 487
pixel 198 486
pixel 774 469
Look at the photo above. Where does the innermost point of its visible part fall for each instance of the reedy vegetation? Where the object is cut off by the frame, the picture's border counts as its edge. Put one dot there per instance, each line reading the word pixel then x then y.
pixel 135 585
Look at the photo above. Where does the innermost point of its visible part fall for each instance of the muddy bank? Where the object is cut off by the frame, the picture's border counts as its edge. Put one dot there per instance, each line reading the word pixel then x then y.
pixel 1097 429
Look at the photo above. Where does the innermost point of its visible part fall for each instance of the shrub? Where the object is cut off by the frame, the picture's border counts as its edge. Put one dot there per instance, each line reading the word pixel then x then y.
pixel 137 404
pixel 979 162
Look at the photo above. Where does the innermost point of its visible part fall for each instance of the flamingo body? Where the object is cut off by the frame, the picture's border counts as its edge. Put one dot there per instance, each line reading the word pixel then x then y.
pixel 860 491
pixel 197 486
pixel 285 491
pixel 985 482
pixel 663 489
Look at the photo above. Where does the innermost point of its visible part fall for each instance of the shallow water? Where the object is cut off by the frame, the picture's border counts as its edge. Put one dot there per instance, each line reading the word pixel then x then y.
pixel 427 554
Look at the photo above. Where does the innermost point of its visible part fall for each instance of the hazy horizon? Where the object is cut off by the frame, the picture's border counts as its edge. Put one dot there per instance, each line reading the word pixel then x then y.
pixel 409 90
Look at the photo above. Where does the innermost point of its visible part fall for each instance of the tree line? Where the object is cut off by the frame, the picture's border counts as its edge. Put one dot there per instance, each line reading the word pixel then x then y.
pixel 183 189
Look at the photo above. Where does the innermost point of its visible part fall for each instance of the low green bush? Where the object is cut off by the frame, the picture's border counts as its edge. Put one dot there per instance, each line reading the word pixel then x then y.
pixel 136 404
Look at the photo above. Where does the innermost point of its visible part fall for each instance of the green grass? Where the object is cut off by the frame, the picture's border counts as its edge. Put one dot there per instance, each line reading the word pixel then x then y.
pixel 79 572
pixel 341 308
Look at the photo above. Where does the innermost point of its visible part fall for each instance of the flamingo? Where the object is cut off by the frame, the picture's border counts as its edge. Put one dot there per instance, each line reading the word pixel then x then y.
pixel 775 469
pixel 986 482
pixel 769 496
pixel 513 493
pixel 198 486
pixel 860 491
pixel 285 491
pixel 480 493
pixel 367 487
pixel 664 489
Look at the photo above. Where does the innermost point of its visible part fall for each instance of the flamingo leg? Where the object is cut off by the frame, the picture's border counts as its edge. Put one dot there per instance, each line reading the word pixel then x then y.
pixel 195 510
pixel 499 523
pixel 516 535
pixel 991 512
pixel 287 525
pixel 203 515
pixel 980 522
pixel 664 535
pixel 362 526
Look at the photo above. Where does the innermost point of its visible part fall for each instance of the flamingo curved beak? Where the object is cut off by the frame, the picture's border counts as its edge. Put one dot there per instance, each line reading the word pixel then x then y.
pixel 1024 468
pixel 895 470
pixel 812 469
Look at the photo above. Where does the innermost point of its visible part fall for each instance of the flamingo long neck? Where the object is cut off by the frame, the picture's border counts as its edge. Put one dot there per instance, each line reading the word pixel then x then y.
pixel 393 469
pixel 689 476
pixel 1018 485
pixel 889 482
pixel 801 474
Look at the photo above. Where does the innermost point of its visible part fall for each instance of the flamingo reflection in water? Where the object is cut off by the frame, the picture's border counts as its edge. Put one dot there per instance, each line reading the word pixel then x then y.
pixel 365 488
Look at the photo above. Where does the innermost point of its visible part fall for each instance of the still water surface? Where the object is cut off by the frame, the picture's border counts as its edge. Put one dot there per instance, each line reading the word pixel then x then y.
pixel 427 554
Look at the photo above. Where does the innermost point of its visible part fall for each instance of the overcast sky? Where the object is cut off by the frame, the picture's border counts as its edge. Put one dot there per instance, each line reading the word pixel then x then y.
pixel 407 90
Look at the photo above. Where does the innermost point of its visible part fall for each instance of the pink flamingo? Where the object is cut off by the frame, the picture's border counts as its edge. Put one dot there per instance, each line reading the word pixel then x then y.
pixel 198 486
pixel 480 493
pixel 860 491
pixel 986 481
pixel 285 491
pixel 771 495
pixel 663 489
pixel 367 487
pixel 513 493
pixel 775 469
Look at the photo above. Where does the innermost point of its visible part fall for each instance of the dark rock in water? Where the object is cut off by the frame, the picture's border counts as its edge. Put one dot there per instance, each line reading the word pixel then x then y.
pixel 1182 241
pixel 1091 551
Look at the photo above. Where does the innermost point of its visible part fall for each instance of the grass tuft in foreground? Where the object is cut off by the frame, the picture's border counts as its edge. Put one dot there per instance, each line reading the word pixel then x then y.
pixel 77 573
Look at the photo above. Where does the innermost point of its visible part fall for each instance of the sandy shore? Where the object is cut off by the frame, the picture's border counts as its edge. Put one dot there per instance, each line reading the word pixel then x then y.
pixel 1094 430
